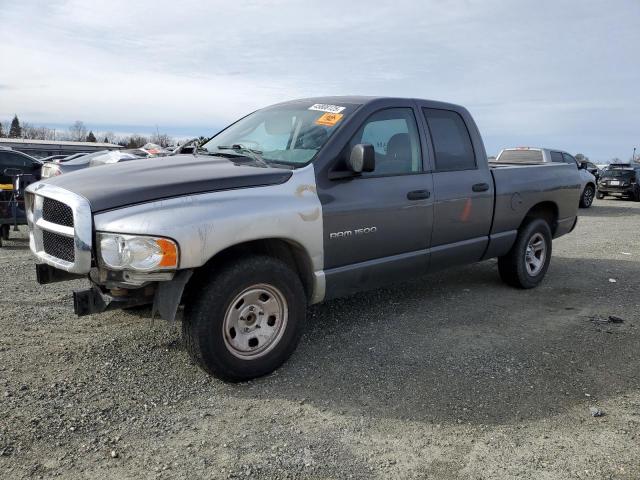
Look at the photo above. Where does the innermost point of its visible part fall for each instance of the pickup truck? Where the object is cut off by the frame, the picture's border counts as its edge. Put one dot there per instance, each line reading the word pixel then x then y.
pixel 292 205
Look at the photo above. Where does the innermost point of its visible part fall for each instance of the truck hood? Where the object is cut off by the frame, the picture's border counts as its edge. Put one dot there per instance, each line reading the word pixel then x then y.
pixel 138 181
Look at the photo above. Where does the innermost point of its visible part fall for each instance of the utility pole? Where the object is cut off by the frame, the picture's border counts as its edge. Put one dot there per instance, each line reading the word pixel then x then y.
pixel 634 154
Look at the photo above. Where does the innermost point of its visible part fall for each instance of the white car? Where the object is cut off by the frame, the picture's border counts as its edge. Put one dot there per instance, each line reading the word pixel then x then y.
pixel 534 156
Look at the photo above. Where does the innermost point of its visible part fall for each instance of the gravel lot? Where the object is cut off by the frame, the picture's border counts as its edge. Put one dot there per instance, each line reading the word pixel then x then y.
pixel 451 376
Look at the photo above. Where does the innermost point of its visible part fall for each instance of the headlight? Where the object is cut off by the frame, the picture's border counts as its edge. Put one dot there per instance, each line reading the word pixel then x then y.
pixel 50 170
pixel 137 252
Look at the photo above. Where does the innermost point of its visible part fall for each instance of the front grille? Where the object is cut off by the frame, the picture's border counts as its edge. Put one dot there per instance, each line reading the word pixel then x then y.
pixel 58 246
pixel 57 212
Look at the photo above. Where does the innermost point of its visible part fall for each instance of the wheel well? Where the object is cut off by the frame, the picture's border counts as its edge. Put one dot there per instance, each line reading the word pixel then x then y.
pixel 547 211
pixel 287 251
pixel 592 184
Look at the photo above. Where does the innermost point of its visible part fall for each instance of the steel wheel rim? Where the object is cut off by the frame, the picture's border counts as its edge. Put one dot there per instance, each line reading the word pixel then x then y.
pixel 535 254
pixel 588 196
pixel 255 321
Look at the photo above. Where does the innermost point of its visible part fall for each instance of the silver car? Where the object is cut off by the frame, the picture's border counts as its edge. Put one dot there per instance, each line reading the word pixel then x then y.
pixel 531 155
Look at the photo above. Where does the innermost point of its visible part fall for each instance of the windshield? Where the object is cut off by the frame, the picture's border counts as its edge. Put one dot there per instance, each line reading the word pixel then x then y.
pixel 290 134
pixel 618 173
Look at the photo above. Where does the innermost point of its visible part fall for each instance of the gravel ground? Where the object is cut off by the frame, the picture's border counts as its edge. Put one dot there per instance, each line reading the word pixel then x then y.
pixel 451 376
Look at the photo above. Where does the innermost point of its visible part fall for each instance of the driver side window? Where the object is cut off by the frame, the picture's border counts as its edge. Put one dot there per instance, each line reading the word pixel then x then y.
pixel 394 135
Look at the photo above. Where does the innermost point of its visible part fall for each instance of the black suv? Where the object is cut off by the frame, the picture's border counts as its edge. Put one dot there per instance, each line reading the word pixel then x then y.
pixel 620 180
pixel 12 162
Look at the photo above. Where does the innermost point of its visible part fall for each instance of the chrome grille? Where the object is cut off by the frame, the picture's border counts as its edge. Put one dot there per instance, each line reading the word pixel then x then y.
pixel 58 246
pixel 57 212
pixel 61 227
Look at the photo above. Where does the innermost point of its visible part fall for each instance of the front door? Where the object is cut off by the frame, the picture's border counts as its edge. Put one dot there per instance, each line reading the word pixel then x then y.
pixel 377 226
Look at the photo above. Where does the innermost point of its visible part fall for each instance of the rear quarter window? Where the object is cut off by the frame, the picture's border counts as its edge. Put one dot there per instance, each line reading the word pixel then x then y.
pixel 451 140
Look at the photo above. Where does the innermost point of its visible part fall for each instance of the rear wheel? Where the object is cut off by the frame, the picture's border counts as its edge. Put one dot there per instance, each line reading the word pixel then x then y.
pixel 587 196
pixel 528 260
pixel 246 320
pixel 4 231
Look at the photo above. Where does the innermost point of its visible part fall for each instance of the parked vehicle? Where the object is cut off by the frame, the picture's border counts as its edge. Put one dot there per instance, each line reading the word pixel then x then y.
pixel 17 169
pixel 103 157
pixel 291 205
pixel 620 180
pixel 70 157
pixel 17 163
pixel 529 155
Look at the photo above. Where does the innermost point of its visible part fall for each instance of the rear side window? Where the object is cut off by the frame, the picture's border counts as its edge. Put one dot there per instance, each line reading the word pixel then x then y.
pixel 451 140
pixel 557 157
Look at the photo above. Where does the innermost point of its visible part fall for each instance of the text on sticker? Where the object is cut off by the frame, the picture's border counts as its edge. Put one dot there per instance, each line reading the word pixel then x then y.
pixel 323 107
pixel 329 119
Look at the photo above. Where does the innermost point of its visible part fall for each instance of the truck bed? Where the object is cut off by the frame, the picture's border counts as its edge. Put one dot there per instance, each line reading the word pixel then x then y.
pixel 519 187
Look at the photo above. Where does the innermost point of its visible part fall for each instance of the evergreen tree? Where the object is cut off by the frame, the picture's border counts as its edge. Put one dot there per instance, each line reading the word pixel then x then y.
pixel 1 131
pixel 16 130
pixel 91 137
pixel 106 140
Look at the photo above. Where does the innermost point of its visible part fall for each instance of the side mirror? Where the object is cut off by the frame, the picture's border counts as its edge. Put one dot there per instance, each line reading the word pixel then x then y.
pixel 362 158
pixel 584 165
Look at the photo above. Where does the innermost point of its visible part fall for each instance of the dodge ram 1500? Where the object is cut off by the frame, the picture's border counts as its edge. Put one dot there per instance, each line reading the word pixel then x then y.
pixel 291 205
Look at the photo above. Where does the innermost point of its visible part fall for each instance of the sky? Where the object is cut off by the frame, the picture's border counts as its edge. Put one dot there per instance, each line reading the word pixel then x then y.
pixel 561 74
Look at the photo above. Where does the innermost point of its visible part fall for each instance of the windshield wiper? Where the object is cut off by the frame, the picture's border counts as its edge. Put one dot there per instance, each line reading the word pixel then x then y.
pixel 246 152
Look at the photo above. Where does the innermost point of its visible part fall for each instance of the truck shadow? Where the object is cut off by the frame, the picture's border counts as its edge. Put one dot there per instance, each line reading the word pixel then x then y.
pixel 461 347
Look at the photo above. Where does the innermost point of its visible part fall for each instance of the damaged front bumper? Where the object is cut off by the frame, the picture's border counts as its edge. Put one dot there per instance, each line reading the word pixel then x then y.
pixel 164 296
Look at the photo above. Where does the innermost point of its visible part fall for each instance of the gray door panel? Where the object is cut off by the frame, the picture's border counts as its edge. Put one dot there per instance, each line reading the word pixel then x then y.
pixel 461 213
pixel 369 218
pixel 377 226
pixel 463 189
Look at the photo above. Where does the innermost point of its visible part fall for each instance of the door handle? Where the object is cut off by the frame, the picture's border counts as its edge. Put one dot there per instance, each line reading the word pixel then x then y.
pixel 418 194
pixel 480 187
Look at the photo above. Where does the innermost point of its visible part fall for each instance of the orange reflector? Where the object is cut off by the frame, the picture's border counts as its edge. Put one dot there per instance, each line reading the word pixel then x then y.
pixel 169 252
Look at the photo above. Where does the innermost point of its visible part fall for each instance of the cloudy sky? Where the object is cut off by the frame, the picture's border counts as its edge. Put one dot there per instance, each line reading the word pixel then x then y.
pixel 532 72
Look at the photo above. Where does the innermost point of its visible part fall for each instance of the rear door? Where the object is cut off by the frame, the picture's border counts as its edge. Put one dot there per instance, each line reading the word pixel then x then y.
pixel 377 226
pixel 463 188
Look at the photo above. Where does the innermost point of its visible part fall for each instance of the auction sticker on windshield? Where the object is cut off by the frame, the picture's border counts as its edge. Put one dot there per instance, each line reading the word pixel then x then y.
pixel 329 119
pixel 323 107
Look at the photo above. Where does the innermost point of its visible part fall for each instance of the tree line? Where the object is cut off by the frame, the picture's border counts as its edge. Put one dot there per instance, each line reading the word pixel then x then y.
pixel 77 132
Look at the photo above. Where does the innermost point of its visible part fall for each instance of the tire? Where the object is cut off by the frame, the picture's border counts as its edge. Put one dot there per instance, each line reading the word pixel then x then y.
pixel 600 196
pixel 246 320
pixel 514 268
pixel 586 199
pixel 4 231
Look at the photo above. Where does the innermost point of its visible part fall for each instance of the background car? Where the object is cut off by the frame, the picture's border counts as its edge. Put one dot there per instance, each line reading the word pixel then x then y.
pixel 103 157
pixel 620 180
pixel 12 162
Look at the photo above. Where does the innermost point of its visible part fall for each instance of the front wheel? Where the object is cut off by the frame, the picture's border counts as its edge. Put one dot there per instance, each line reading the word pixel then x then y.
pixel 246 320
pixel 528 260
pixel 587 196
pixel 600 196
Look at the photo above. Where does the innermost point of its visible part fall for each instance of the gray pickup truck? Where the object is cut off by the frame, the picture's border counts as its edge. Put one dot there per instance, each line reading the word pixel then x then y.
pixel 291 205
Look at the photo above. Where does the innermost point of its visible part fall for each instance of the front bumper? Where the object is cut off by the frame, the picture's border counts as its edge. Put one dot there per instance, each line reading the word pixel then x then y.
pixel 626 190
